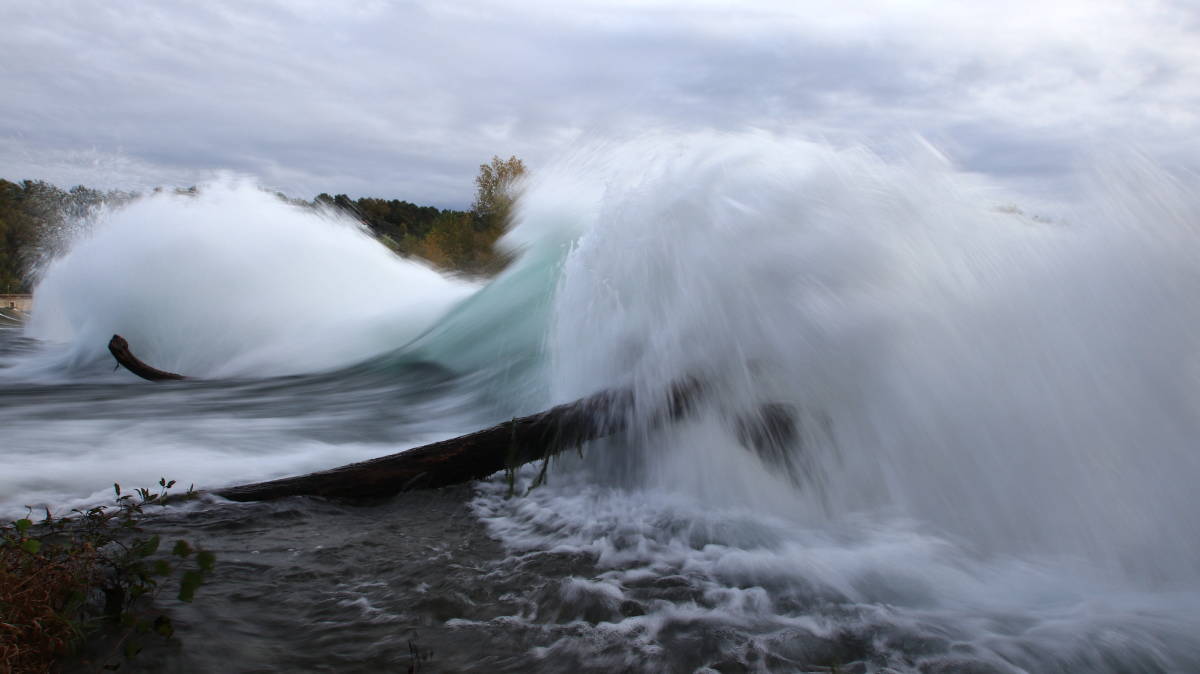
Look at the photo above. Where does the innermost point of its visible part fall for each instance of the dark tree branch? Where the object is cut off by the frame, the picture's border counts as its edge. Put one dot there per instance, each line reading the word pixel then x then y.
pixel 474 456
pixel 119 348
pixel 469 457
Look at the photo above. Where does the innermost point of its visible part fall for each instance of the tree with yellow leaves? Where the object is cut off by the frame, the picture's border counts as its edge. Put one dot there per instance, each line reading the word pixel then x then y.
pixel 494 193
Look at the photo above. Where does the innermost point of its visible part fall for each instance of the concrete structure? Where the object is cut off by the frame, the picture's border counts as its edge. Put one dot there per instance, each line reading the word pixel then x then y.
pixel 18 302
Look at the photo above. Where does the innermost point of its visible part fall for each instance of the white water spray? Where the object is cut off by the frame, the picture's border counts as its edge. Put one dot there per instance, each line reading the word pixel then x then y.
pixel 233 282
pixel 1024 385
pixel 996 412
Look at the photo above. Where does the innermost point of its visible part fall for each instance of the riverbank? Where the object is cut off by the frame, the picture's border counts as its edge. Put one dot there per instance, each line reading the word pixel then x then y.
pixel 21 303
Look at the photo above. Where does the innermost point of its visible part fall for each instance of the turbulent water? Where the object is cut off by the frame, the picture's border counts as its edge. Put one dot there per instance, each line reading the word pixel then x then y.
pixel 982 454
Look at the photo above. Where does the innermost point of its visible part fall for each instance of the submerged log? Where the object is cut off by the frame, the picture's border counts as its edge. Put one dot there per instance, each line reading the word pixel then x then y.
pixel 508 445
pixel 119 348
pixel 474 456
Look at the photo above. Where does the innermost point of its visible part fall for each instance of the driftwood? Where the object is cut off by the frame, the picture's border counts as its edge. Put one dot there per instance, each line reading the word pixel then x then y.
pixel 474 456
pixel 119 348
pixel 505 446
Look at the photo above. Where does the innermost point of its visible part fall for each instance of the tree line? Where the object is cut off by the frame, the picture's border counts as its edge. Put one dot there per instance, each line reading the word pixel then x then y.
pixel 37 220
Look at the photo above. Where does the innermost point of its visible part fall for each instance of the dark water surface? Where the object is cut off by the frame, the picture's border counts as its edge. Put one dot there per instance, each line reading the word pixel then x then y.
pixel 417 582
pixel 308 585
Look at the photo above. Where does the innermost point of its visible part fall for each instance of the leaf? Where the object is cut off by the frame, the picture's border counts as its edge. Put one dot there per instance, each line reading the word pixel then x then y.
pixel 117 489
pixel 31 546
pixel 205 560
pixel 132 648
pixel 162 568
pixel 23 525
pixel 148 547
pixel 181 549
pixel 162 625
pixel 74 600
pixel 187 586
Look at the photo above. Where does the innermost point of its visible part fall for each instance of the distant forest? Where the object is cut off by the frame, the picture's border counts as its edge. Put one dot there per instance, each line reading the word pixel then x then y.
pixel 36 221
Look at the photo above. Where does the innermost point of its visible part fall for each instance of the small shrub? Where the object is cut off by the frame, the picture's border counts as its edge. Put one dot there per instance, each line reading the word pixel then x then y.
pixel 63 578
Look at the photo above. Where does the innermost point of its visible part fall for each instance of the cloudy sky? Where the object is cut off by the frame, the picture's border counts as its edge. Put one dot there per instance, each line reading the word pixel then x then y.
pixel 405 99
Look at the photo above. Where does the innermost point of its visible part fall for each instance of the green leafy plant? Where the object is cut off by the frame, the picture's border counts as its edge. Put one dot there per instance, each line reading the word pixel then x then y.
pixel 94 571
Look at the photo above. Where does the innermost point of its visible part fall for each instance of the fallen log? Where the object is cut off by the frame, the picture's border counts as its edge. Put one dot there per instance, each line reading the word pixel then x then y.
pixel 457 460
pixel 477 455
pixel 508 445
pixel 119 348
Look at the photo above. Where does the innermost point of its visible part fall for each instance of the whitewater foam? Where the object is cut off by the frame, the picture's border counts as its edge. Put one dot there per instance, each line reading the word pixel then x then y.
pixel 233 282
pixel 1018 383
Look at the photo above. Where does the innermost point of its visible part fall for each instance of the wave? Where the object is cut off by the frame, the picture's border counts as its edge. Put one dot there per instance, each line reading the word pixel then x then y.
pixel 1020 383
pixel 233 282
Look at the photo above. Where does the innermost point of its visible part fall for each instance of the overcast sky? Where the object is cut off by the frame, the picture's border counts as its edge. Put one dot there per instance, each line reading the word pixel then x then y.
pixel 406 99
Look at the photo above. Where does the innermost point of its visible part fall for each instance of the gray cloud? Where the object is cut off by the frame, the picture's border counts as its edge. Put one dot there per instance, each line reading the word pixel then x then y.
pixel 405 99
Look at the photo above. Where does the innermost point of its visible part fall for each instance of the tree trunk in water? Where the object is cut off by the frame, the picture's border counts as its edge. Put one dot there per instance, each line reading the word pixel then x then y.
pixel 119 348
pixel 457 460
pixel 474 456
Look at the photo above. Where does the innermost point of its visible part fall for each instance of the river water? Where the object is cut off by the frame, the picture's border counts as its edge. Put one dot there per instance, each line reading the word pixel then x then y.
pixel 989 463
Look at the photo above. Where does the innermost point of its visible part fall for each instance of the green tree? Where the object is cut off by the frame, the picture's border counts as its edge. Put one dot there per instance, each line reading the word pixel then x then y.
pixel 28 210
pixel 36 221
